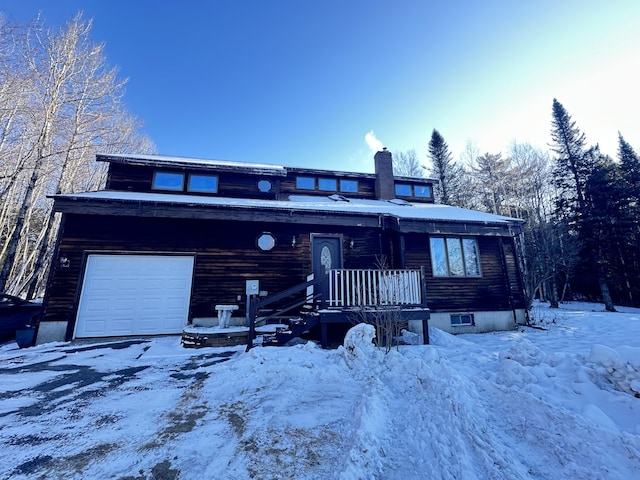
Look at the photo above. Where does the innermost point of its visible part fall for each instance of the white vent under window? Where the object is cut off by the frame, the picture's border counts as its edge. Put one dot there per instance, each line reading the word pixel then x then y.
pixel 338 198
pixel 399 201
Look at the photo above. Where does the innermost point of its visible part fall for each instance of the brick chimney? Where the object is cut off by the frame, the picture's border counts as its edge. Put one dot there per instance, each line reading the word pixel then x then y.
pixel 385 185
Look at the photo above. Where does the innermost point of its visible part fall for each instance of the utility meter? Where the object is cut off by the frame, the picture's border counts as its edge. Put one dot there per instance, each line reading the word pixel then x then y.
pixel 253 287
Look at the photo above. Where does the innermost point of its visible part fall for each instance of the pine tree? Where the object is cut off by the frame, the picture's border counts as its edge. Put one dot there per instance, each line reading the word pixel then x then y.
pixel 630 164
pixel 451 176
pixel 574 166
pixel 574 162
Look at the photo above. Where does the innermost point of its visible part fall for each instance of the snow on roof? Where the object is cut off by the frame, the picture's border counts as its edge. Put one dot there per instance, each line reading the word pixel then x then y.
pixel 169 160
pixel 416 211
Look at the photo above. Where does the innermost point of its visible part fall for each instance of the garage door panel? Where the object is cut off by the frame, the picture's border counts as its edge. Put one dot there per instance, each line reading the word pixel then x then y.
pixel 134 295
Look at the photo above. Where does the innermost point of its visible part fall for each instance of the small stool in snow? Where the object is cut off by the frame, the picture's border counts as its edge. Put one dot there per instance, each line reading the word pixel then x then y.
pixel 224 314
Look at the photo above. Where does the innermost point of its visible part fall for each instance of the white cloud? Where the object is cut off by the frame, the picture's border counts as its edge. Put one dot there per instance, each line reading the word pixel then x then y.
pixel 375 145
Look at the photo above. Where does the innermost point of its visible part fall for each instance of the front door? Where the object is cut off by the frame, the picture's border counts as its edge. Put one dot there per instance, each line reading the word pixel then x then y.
pixel 326 253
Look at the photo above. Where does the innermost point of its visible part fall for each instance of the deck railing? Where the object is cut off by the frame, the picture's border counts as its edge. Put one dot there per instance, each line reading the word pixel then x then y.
pixel 364 288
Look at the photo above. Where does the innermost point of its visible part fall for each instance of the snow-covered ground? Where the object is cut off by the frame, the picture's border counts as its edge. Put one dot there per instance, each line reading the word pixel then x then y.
pixel 562 402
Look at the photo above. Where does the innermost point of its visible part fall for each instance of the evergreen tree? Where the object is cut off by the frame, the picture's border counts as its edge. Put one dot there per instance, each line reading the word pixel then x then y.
pixel 443 168
pixel 574 166
pixel 630 164
pixel 574 162
pixel 607 229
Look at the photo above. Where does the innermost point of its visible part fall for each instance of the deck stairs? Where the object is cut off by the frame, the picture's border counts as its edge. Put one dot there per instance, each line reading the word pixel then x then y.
pixel 278 331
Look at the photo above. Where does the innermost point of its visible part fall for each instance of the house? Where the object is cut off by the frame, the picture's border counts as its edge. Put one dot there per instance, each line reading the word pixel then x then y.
pixel 169 239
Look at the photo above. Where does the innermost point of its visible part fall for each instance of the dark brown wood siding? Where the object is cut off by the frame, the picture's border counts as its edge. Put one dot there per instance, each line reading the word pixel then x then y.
pixel 492 291
pixel 366 186
pixel 138 178
pixel 225 252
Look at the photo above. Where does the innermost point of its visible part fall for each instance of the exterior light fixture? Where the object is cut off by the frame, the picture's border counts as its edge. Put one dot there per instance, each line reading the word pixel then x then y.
pixel 293 242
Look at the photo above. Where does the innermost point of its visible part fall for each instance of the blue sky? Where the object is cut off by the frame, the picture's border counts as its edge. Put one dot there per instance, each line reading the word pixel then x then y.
pixel 302 82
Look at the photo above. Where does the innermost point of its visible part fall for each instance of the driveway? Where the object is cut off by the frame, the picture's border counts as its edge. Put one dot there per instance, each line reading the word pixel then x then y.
pixel 50 395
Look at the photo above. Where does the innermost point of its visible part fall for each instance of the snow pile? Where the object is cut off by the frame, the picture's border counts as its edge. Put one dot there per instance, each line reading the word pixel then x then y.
pixel 618 368
pixel 528 404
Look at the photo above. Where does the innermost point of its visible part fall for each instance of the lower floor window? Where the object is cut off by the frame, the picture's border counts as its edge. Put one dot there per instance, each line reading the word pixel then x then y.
pixel 455 257
pixel 462 319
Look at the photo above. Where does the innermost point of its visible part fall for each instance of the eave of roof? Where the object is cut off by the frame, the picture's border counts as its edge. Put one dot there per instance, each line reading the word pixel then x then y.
pixel 405 218
pixel 194 163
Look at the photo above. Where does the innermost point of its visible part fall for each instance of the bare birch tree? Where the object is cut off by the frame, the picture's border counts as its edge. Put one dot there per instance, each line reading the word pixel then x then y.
pixel 71 106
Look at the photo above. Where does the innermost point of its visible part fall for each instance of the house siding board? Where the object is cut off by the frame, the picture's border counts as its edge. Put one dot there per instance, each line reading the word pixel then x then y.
pixel 138 178
pixel 488 293
pixel 225 252
pixel 366 186
pixel 131 178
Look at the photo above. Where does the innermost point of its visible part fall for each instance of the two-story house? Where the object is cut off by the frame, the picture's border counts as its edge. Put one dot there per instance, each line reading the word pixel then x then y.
pixel 169 238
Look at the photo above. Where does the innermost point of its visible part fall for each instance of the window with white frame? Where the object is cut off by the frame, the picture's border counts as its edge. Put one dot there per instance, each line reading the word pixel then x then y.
pixel 455 257
pixel 459 319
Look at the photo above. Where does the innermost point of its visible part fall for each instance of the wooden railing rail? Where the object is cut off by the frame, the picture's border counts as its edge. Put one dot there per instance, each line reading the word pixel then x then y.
pixel 362 288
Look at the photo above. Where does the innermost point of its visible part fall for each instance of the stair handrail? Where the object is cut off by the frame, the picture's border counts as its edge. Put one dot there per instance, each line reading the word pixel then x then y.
pixel 256 306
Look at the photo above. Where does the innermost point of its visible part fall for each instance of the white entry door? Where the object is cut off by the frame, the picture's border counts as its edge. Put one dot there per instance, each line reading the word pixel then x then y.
pixel 134 295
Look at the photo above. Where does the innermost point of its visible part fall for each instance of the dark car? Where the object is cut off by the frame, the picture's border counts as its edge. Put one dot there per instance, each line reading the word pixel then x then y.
pixel 16 313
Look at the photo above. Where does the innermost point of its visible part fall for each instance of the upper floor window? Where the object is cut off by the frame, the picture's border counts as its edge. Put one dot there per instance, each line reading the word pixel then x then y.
pixel 203 183
pixel 306 183
pixel 349 186
pixel 168 181
pixel 455 257
pixel 422 191
pixel 264 186
pixel 328 184
pixel 403 190
pixel 406 190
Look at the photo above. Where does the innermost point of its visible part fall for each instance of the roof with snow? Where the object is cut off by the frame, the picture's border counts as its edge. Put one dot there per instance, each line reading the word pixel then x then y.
pixel 170 161
pixel 334 205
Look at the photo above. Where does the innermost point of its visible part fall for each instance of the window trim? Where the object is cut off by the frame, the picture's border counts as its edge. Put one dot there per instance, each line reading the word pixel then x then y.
pixel 202 190
pixel 154 186
pixel 448 260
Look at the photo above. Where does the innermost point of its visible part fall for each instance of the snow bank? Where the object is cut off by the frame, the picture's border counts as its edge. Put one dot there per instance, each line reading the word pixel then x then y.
pixel 526 405
pixel 618 369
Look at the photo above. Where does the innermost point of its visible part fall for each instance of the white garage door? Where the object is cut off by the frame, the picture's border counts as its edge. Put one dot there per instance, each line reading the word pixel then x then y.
pixel 134 295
